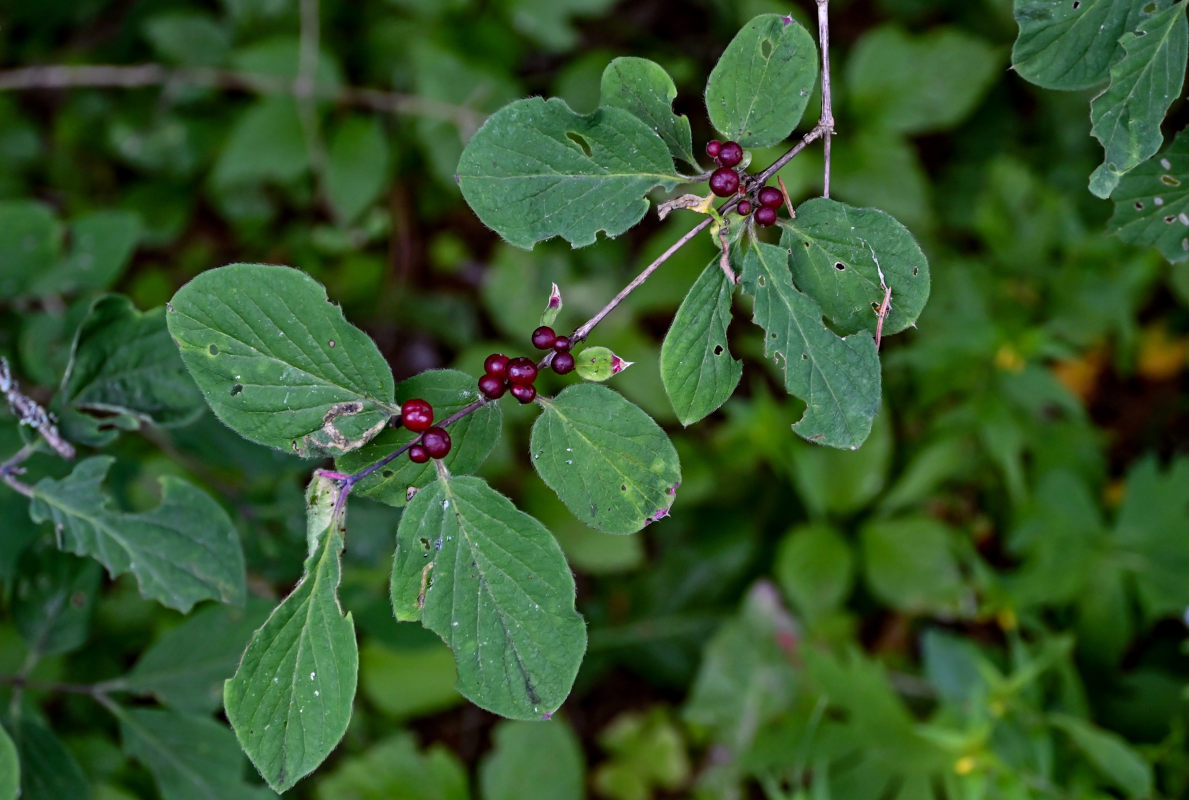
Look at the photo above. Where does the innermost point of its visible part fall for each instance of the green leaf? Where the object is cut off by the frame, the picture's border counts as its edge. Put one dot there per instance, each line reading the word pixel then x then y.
pixel 840 482
pixel 357 166
pixel 1152 202
pixel 646 90
pixel 124 369
pixel 536 170
pixel 290 700
pixel 30 240
pixel 47 767
pixel 910 565
pixel 697 368
pixel 1110 754
pixel 1144 83
pixel 761 84
pixel 1066 45
pixel 647 750
pixel 493 584
pixel 54 600
pixel 183 551
pixel 190 38
pixel 472 437
pixel 551 22
pixel 265 144
pixel 277 362
pixel 1149 532
pixel 10 768
pixel 913 84
pixel 838 378
pixel 599 363
pixel 101 245
pixel 393 769
pixel 549 751
pixel 191 757
pixel 186 667
pixel 608 461
pixel 409 682
pixel 837 254
pixel 815 568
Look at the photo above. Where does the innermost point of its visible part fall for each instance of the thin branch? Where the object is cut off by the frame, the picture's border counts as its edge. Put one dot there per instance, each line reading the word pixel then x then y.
pixel 23 682
pixel 140 76
pixel 29 412
pixel 826 123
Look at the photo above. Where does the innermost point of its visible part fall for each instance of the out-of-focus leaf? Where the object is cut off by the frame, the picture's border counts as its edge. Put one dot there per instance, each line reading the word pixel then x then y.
pixel 265 144
pixel 833 481
pixel 30 240
pixel 357 166
pixel 1110 754
pixel 551 22
pixel 815 568
pixel 101 245
pixel 910 564
pixel 408 682
pixel 47 767
pixel 393 769
pixel 190 38
pixel 10 768
pixel 548 751
pixel 54 600
pixel 647 750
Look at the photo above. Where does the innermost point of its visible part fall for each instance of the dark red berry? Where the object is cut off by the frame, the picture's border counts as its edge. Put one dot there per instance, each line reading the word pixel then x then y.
pixel 562 344
pixel 521 371
pixel 765 216
pixel 544 337
pixel 771 197
pixel 713 147
pixel 418 454
pixel 492 386
pixel 495 364
pixel 744 208
pixel 724 181
pixel 416 414
pixel 524 392
pixel 730 154
pixel 563 363
pixel 436 442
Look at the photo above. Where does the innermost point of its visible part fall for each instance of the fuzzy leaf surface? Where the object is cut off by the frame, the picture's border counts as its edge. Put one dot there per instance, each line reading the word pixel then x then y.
pixel 758 90
pixel 1126 117
pixel 277 362
pixel 472 437
pixel 10 768
pixel 837 377
pixel 837 252
pixel 536 170
pixel 124 370
pixel 290 700
pixel 643 88
pixel 1152 202
pixel 697 369
pixel 183 551
pixel 356 167
pixel 1066 45
pixel 48 769
pixel 493 583
pixel 608 461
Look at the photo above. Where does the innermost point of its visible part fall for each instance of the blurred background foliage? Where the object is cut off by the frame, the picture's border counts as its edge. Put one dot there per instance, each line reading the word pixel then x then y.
pixel 986 600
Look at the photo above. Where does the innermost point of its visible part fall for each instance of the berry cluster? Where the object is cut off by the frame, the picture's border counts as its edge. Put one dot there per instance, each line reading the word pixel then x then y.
pixel 434 442
pixel 517 375
pixel 725 182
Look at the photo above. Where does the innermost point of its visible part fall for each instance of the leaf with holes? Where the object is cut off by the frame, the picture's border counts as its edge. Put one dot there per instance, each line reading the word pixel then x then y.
pixel 493 583
pixel 1144 83
pixel 761 84
pixel 1152 202
pixel 838 378
pixel 836 253
pixel 646 90
pixel 608 461
pixel 1071 45
pixel 277 362
pixel 473 437
pixel 183 551
pixel 290 700
pixel 698 371
pixel 536 170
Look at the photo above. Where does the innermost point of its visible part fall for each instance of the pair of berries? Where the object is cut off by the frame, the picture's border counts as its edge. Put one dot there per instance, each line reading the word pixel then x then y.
pixel 724 181
pixel 771 199
pixel 417 416
pixel 517 375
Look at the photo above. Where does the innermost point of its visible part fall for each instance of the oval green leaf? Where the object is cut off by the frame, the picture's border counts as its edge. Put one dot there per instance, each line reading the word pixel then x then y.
pixel 838 378
pixel 277 362
pixel 1152 202
pixel 646 90
pixel 493 583
pixel 697 369
pixel 290 700
pixel 836 253
pixel 608 461
pixel 758 90
pixel 472 437
pixel 536 170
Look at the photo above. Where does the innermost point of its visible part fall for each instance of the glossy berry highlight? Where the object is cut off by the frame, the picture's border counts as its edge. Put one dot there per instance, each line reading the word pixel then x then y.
pixel 730 154
pixel 563 363
pixel 524 392
pixel 724 181
pixel 492 386
pixel 765 216
pixel 436 442
pixel 521 371
pixel 418 454
pixel 416 414
pixel 744 208
pixel 771 197
pixel 562 344
pixel 713 147
pixel 495 364
pixel 544 337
